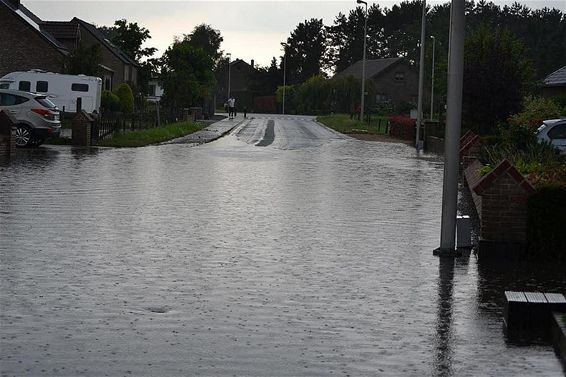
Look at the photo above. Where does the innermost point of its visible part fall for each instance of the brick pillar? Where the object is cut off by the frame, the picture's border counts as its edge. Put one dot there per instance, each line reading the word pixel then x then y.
pixel 504 193
pixel 470 146
pixel 81 127
pixel 7 136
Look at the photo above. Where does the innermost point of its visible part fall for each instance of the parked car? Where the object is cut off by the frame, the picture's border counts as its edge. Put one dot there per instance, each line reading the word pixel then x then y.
pixel 37 118
pixel 553 131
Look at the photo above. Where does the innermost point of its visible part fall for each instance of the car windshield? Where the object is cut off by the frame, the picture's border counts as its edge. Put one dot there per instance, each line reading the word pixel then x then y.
pixel 45 102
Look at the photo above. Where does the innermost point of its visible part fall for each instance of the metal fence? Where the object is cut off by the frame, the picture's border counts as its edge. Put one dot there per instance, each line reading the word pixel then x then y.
pixel 108 124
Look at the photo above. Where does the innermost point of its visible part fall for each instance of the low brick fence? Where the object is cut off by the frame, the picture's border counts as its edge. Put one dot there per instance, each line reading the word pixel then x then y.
pixel 7 142
pixel 500 198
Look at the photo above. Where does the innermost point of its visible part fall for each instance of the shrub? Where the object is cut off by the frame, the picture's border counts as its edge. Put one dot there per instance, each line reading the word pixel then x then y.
pixel 535 110
pixel 539 161
pixel 402 127
pixel 516 136
pixel 110 101
pixel 545 223
pixel 124 93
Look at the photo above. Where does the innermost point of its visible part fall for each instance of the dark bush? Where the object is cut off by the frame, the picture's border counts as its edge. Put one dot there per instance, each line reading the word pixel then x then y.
pixel 546 234
pixel 110 101
pixel 126 96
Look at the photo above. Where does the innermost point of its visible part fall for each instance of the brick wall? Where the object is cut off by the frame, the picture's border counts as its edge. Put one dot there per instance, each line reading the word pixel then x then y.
pixel 504 193
pixel 7 143
pixel 472 177
pixel 470 147
pixel 81 126
pixel 22 48
pixel 108 58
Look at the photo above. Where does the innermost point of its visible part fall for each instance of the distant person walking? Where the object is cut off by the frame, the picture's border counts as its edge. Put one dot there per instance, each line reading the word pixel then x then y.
pixel 231 108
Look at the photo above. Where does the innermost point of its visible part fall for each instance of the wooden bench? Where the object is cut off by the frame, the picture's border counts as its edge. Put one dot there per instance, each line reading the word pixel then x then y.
pixel 530 313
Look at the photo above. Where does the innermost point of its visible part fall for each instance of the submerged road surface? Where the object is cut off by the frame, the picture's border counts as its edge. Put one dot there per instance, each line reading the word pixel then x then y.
pixel 282 249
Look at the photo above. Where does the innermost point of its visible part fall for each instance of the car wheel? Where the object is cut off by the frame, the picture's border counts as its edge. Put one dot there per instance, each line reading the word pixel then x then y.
pixel 23 136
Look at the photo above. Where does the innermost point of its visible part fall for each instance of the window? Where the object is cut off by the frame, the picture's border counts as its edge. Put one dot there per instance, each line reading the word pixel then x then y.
pixel 79 87
pixel 5 85
pixel 11 100
pixel 41 87
pixel 24 86
pixel 45 102
pixel 558 132
pixel 107 83
pixel 151 90
pixel 399 76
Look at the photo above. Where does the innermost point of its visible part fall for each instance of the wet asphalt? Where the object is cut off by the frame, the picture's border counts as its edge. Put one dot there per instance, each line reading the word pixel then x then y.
pixel 279 249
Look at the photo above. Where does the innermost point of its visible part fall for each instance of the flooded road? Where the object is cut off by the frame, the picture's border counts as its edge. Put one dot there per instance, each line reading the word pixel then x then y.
pixel 282 249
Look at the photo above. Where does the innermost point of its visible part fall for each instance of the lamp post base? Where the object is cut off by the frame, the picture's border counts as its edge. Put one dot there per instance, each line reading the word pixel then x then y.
pixel 453 253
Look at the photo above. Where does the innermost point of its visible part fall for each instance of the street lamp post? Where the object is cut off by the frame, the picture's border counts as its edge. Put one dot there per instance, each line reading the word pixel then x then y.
pixel 432 83
pixel 284 72
pixel 229 55
pixel 418 143
pixel 453 128
pixel 364 60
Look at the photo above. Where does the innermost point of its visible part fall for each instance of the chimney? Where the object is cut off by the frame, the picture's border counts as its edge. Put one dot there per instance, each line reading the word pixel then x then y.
pixel 252 63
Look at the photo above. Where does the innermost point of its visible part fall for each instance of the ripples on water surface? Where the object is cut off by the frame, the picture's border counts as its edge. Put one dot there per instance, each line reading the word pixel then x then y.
pixel 232 259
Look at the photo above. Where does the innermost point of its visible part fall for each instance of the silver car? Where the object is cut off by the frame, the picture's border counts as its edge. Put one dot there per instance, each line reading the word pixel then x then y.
pixel 553 131
pixel 37 118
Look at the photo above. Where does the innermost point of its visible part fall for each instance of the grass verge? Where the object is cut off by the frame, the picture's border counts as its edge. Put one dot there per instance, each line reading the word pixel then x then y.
pixel 151 136
pixel 343 124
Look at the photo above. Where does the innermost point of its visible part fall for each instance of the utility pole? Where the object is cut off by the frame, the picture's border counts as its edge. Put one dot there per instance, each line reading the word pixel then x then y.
pixel 453 126
pixel 418 143
pixel 229 55
pixel 432 80
pixel 284 72
pixel 364 61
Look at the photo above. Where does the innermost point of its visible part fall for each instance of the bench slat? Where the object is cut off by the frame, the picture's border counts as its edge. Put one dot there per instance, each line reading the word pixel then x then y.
pixel 535 297
pixel 512 296
pixel 555 298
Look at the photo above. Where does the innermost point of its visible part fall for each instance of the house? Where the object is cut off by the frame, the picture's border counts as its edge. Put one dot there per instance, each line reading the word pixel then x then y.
pixel 24 45
pixel 116 66
pixel 395 81
pixel 155 90
pixel 554 85
pixel 30 43
pixel 239 76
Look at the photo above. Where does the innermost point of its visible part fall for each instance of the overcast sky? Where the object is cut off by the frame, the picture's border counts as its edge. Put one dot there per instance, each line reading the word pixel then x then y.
pixel 251 29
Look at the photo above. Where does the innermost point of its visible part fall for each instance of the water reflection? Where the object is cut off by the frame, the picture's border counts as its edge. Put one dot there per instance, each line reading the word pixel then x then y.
pixel 444 334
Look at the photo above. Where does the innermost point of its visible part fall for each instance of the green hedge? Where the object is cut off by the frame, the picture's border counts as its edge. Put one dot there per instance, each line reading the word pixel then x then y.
pixel 126 96
pixel 546 223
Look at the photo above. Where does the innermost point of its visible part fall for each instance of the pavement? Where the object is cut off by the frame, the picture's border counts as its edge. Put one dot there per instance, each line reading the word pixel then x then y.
pixel 217 127
pixel 210 132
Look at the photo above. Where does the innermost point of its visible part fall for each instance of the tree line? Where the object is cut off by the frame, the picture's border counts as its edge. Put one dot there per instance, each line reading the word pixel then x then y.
pixel 508 49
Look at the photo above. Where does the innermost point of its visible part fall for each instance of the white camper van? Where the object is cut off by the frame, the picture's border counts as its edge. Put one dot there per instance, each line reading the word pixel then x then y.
pixel 62 90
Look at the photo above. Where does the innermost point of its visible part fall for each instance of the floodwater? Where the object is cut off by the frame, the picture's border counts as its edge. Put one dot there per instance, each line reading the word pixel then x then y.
pixel 281 249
